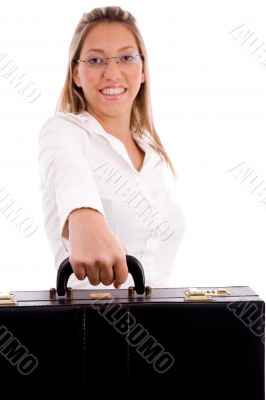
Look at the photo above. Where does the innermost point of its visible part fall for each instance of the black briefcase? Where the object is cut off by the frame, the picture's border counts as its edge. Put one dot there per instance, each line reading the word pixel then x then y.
pixel 183 343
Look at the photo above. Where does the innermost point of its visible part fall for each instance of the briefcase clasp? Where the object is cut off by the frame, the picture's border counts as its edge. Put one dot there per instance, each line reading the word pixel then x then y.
pixel 204 295
pixel 7 299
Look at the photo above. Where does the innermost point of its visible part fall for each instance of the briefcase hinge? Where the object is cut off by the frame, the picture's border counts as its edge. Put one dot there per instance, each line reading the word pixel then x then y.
pixel 195 294
pixel 7 299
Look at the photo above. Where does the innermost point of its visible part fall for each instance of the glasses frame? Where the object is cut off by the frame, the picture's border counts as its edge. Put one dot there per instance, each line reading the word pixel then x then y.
pixel 108 58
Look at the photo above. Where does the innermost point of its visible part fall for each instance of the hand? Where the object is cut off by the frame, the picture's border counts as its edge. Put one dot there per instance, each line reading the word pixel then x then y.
pixel 95 251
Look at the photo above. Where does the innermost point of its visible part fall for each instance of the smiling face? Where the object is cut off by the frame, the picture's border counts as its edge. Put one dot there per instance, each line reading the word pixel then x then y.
pixel 110 38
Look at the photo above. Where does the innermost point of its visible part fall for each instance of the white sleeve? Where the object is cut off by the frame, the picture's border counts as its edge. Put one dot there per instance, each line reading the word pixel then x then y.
pixel 64 167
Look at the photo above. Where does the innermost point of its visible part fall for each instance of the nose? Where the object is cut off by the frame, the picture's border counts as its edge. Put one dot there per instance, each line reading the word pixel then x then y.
pixel 112 69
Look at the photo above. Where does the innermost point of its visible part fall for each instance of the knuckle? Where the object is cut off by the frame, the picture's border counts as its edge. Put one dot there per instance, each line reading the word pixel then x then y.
pixel 102 260
pixel 74 260
pixel 79 261
pixel 79 266
pixel 121 258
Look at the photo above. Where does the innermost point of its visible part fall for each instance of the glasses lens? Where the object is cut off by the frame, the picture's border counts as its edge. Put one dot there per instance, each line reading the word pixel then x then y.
pixel 129 59
pixel 96 61
pixel 99 62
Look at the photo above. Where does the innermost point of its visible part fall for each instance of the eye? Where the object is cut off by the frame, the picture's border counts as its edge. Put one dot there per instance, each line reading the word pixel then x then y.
pixel 95 60
pixel 128 58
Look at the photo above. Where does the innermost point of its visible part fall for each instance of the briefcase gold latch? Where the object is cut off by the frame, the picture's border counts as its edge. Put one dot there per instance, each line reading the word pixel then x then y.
pixel 195 294
pixel 7 299
pixel 100 296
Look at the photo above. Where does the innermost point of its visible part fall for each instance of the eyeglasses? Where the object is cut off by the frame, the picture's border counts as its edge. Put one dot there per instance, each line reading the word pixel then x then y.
pixel 99 62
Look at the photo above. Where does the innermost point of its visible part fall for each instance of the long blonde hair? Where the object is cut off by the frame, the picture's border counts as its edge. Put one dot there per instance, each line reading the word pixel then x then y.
pixel 72 98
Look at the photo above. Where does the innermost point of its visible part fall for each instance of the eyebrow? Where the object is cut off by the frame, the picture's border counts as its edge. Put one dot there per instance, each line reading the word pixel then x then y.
pixel 102 51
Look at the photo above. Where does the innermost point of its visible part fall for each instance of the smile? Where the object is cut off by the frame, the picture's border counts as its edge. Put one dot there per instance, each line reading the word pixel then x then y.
pixel 113 94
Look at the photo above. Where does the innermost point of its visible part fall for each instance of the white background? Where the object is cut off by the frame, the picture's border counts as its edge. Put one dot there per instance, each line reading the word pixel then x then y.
pixel 209 104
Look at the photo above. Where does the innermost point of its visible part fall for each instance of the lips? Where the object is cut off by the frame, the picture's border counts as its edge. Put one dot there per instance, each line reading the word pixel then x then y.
pixel 113 96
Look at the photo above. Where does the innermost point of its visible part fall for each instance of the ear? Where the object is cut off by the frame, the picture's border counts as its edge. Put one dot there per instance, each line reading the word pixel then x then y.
pixel 76 75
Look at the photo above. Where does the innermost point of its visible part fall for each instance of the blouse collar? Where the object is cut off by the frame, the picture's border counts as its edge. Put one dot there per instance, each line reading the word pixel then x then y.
pixel 151 156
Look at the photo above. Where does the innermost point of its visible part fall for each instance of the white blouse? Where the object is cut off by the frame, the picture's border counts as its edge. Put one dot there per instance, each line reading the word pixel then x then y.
pixel 81 165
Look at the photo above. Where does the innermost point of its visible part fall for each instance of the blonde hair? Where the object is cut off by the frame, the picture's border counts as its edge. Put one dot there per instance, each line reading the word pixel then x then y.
pixel 72 98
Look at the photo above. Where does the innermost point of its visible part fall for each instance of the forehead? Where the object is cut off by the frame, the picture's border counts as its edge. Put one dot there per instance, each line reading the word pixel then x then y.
pixel 109 37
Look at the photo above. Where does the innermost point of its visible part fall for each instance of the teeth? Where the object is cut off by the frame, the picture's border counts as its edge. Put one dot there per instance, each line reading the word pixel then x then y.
pixel 113 91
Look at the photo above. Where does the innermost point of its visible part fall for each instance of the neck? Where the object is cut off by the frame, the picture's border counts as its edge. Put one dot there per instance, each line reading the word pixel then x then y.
pixel 118 126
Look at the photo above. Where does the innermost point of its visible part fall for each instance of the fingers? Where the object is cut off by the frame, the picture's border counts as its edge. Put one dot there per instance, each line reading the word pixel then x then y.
pixel 106 274
pixel 114 273
pixel 81 269
pixel 78 269
pixel 93 273
pixel 120 271
pixel 101 271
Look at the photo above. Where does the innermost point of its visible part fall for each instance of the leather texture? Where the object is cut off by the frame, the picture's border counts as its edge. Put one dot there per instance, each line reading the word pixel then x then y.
pixel 139 347
pixel 84 349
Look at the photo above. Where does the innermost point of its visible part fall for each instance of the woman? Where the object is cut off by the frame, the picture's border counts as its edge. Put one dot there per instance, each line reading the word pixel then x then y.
pixel 101 161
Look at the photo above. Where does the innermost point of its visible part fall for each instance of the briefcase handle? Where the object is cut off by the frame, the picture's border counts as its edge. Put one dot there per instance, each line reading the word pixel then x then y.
pixel 134 268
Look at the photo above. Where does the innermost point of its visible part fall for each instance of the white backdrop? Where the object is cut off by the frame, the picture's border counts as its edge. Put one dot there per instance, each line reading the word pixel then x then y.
pixel 208 79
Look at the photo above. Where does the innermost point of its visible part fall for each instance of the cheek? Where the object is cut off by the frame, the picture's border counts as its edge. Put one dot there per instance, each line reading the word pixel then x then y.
pixel 136 76
pixel 88 79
